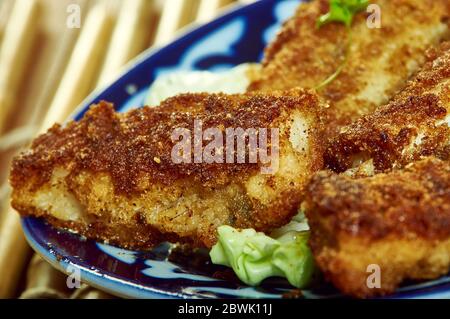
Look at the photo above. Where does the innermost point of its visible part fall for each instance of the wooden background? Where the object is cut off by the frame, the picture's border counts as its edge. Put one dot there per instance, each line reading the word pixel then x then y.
pixel 46 70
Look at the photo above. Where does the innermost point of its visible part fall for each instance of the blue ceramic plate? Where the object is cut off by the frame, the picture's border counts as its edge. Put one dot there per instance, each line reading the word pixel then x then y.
pixel 238 36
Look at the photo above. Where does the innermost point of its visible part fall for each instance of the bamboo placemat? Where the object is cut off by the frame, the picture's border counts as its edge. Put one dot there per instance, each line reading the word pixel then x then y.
pixel 46 70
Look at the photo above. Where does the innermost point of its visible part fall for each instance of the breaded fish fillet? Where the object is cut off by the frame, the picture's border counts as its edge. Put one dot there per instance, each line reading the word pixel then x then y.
pixel 399 222
pixel 416 123
pixel 112 176
pixel 378 63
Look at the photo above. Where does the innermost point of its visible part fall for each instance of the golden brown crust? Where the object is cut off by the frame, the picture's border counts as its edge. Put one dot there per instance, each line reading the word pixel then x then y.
pixel 380 61
pixel 388 135
pixel 414 200
pixel 100 176
pixel 125 145
pixel 399 221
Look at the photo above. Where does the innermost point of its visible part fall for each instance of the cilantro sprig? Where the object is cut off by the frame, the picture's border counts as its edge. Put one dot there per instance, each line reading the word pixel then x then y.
pixel 341 11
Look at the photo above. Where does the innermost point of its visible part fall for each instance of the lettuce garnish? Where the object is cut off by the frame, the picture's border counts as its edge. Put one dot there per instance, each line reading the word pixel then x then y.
pixel 255 256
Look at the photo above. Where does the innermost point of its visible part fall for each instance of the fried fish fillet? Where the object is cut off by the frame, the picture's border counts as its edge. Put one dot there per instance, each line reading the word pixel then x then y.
pixel 416 123
pixel 377 65
pixel 112 176
pixel 396 223
pixel 391 206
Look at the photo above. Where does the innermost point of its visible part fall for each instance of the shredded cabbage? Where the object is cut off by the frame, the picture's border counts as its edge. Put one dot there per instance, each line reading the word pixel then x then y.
pixel 255 256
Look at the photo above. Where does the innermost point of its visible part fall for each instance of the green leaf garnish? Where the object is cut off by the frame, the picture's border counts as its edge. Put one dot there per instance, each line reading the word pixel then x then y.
pixel 342 11
pixel 255 256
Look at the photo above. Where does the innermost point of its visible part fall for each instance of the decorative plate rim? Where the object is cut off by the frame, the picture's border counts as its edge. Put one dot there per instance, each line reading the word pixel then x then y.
pixel 115 286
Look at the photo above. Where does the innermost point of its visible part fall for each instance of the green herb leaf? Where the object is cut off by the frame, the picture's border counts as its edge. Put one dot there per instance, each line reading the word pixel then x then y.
pixel 342 11
pixel 255 256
